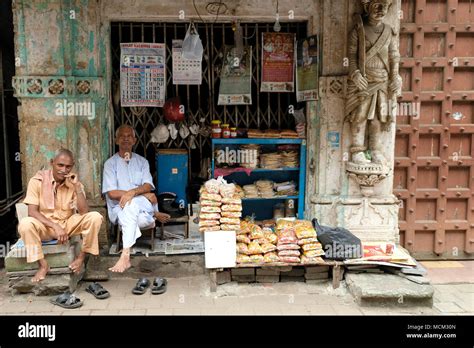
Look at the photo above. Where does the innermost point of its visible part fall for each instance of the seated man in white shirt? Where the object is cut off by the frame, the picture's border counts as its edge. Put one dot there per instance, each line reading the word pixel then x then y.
pixel 128 186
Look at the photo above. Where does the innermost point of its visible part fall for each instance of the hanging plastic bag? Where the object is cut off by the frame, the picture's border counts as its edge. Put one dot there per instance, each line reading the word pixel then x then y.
pixel 192 45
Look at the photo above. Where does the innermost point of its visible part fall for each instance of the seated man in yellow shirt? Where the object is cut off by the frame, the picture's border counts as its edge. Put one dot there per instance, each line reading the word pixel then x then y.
pixel 53 197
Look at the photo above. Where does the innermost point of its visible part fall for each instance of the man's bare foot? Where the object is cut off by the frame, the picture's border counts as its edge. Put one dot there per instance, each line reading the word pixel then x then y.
pixel 41 274
pixel 76 265
pixel 122 264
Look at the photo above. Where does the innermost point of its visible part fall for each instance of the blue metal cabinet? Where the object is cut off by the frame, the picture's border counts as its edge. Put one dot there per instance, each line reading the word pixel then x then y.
pixel 263 207
pixel 172 168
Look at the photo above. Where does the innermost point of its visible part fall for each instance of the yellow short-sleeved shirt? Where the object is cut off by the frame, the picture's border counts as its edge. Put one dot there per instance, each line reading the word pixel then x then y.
pixel 65 200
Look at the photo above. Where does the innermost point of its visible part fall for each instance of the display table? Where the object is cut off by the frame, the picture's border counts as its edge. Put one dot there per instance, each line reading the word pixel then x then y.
pixel 337 270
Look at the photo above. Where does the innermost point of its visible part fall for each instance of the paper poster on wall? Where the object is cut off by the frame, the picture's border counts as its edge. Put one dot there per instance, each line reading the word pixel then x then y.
pixel 142 74
pixel 278 60
pixel 185 71
pixel 307 69
pixel 236 77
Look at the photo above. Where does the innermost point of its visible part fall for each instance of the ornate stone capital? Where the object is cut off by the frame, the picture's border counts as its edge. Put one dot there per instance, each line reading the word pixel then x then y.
pixel 367 175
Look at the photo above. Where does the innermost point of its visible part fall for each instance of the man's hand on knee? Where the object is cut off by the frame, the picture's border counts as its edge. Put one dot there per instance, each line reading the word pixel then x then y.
pixel 61 234
pixel 127 198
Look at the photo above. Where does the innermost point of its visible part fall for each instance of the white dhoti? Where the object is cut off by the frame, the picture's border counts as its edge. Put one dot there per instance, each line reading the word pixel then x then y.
pixel 136 215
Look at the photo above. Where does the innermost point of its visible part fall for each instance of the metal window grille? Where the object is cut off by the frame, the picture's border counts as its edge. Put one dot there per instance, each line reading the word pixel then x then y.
pixel 268 110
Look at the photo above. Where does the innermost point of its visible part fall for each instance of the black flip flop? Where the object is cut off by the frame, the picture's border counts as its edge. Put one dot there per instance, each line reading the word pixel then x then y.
pixel 67 300
pixel 98 291
pixel 141 286
pixel 159 286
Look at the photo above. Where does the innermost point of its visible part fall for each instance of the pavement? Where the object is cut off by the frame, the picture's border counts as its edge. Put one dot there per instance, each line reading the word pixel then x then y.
pixel 191 296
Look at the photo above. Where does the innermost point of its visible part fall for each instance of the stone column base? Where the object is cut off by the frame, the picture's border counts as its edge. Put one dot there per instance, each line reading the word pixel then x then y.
pixel 370 219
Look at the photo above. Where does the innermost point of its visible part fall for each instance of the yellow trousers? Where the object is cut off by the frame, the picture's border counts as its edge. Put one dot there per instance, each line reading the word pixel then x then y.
pixel 33 232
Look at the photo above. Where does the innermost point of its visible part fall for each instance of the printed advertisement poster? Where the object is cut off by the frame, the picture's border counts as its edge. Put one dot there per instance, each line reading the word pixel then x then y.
pixel 185 71
pixel 307 69
pixel 236 77
pixel 142 74
pixel 278 61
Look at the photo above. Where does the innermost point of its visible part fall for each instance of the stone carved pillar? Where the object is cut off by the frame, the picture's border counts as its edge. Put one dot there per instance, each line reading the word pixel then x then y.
pixel 356 171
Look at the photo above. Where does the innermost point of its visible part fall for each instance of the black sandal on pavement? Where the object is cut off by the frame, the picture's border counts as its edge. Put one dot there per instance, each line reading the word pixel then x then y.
pixel 67 300
pixel 98 291
pixel 141 286
pixel 159 286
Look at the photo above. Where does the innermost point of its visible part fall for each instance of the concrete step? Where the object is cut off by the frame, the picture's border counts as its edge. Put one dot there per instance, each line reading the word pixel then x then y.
pixel 55 260
pixel 388 290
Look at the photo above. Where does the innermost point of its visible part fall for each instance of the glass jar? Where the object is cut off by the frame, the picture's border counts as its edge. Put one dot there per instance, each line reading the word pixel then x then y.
pixel 225 131
pixel 216 129
pixel 233 132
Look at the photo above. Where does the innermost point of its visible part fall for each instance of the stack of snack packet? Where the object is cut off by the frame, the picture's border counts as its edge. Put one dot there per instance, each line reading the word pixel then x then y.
pixel 221 208
pixel 231 209
pixel 255 244
pixel 307 239
pixel 210 201
pixel 288 248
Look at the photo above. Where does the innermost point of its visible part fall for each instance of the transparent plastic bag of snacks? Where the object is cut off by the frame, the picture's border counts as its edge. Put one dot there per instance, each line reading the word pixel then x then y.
pixel 210 209
pixel 209 216
pixel 242 248
pixel 289 253
pixel 211 197
pixel 307 241
pixel 303 224
pixel 230 221
pixel 227 227
pixel 256 258
pixel 312 246
pixel 242 258
pixel 242 238
pixel 287 236
pixel 227 190
pixel 267 247
pixel 206 223
pixel 289 259
pixel 232 214
pixel 232 200
pixel 209 229
pixel 231 207
pixel 303 232
pixel 206 203
pixel 288 247
pixel 256 232
pixel 212 186
pixel 254 248
pixel 284 223
pixel 271 237
pixel 313 253
pixel 271 257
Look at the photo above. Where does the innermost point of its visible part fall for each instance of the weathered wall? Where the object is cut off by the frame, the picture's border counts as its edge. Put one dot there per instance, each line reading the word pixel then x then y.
pixel 58 50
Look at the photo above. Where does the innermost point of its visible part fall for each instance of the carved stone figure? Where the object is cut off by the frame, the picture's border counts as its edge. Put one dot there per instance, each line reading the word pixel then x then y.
pixel 374 82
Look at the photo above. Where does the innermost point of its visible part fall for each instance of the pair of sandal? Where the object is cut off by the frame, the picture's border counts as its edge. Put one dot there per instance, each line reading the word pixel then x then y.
pixel 159 286
pixel 70 301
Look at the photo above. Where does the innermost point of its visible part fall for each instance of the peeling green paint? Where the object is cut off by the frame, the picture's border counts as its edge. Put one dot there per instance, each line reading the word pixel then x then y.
pixel 91 41
pixel 29 148
pixel 61 133
pixel 47 153
pixel 42 5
